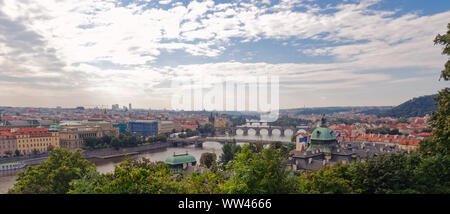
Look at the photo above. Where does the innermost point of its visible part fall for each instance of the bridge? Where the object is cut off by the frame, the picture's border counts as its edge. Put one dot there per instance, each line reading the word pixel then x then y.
pixel 198 142
pixel 259 130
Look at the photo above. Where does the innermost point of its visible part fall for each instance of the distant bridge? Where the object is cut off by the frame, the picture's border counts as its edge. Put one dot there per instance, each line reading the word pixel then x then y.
pixel 198 142
pixel 258 130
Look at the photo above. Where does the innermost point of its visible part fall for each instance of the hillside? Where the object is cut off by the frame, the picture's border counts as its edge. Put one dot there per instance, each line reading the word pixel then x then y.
pixel 332 110
pixel 416 107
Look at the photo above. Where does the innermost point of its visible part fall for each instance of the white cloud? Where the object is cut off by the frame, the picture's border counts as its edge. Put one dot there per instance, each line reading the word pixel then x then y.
pixel 98 46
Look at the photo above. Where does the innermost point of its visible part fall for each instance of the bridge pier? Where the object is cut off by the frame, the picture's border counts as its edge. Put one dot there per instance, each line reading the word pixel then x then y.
pixel 245 132
pixel 258 131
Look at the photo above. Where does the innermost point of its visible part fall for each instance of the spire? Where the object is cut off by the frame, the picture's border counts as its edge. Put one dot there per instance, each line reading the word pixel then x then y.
pixel 323 122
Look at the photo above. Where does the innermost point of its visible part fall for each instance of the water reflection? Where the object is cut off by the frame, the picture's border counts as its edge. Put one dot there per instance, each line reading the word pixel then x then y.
pixel 8 178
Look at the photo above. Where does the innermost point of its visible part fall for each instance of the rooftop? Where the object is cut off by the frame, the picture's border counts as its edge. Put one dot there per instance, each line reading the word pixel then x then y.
pixel 180 159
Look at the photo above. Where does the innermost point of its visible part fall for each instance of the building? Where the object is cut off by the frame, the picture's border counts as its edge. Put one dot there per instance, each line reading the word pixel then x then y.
pixel 181 162
pixel 121 126
pixel 168 126
pixel 301 142
pixel 34 140
pixel 324 149
pixel 72 133
pixel 143 128
pixel 8 143
pixel 115 107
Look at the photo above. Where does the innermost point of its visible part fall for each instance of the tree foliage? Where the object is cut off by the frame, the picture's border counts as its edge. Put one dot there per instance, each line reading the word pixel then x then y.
pixel 208 159
pixel 440 120
pixel 53 175
pixel 259 173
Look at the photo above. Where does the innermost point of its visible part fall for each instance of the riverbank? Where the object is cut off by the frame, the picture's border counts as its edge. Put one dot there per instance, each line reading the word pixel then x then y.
pixel 90 154
pixel 8 178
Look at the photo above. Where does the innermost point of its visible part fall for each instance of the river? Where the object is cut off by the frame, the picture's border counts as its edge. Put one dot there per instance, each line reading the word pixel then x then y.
pixel 8 178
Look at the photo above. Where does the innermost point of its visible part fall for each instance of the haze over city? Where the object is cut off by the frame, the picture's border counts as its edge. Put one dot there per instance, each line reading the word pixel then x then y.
pixel 351 53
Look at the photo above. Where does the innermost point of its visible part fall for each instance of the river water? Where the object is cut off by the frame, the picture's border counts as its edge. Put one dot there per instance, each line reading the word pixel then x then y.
pixel 8 179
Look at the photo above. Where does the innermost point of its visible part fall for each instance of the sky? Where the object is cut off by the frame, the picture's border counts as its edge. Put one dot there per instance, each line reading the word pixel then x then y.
pixel 326 53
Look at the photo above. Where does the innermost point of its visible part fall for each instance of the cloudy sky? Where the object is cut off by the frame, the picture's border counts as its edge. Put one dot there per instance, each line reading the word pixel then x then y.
pixel 326 53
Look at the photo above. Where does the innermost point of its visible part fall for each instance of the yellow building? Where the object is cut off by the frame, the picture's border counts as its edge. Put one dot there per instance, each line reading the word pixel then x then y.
pixel 35 140
pixel 73 133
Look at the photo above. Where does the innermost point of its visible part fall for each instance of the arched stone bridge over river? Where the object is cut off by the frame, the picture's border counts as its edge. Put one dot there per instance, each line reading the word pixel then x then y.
pixel 259 130
pixel 228 134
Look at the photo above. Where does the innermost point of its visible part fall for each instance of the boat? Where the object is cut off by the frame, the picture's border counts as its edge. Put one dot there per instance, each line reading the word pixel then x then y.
pixel 11 166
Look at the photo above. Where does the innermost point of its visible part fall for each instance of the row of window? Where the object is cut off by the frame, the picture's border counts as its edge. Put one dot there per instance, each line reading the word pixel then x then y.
pixel 33 145
pixel 34 140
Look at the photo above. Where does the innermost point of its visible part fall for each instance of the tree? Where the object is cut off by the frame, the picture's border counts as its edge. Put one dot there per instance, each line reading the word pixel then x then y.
pixel 130 177
pixel 90 142
pixel 228 152
pixel 385 174
pixel 208 159
pixel 327 180
pixel 440 120
pixel 208 182
pixel 50 148
pixel 116 143
pixel 17 153
pixel 53 175
pixel 259 173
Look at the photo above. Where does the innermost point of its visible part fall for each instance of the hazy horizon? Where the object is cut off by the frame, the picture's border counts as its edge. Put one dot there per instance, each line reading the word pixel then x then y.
pixel 346 53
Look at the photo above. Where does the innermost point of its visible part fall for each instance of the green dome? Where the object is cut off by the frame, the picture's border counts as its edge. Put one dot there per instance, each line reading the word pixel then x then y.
pixel 323 134
pixel 180 159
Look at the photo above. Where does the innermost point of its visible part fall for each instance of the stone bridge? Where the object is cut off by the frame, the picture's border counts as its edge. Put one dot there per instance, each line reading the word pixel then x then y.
pixel 269 130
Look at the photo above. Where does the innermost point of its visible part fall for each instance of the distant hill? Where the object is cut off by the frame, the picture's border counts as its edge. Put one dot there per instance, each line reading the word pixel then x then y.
pixel 416 107
pixel 332 110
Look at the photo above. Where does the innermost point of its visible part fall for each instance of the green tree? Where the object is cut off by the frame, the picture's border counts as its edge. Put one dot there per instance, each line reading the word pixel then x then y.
pixel 130 177
pixel 208 182
pixel 385 174
pixel 90 142
pixel 228 152
pixel 327 180
pixel 53 175
pixel 440 120
pixel 208 159
pixel 259 173
pixel 116 142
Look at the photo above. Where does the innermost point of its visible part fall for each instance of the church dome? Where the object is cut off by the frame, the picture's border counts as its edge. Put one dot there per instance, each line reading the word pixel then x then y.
pixel 323 134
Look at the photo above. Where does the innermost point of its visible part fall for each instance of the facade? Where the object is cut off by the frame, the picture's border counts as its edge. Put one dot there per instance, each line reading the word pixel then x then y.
pixel 143 128
pixel 8 144
pixel 121 126
pixel 72 133
pixel 181 162
pixel 301 142
pixel 324 149
pixel 35 140
pixel 167 127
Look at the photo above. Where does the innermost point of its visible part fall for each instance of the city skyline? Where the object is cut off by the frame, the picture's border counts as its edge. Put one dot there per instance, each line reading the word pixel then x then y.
pixel 350 53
